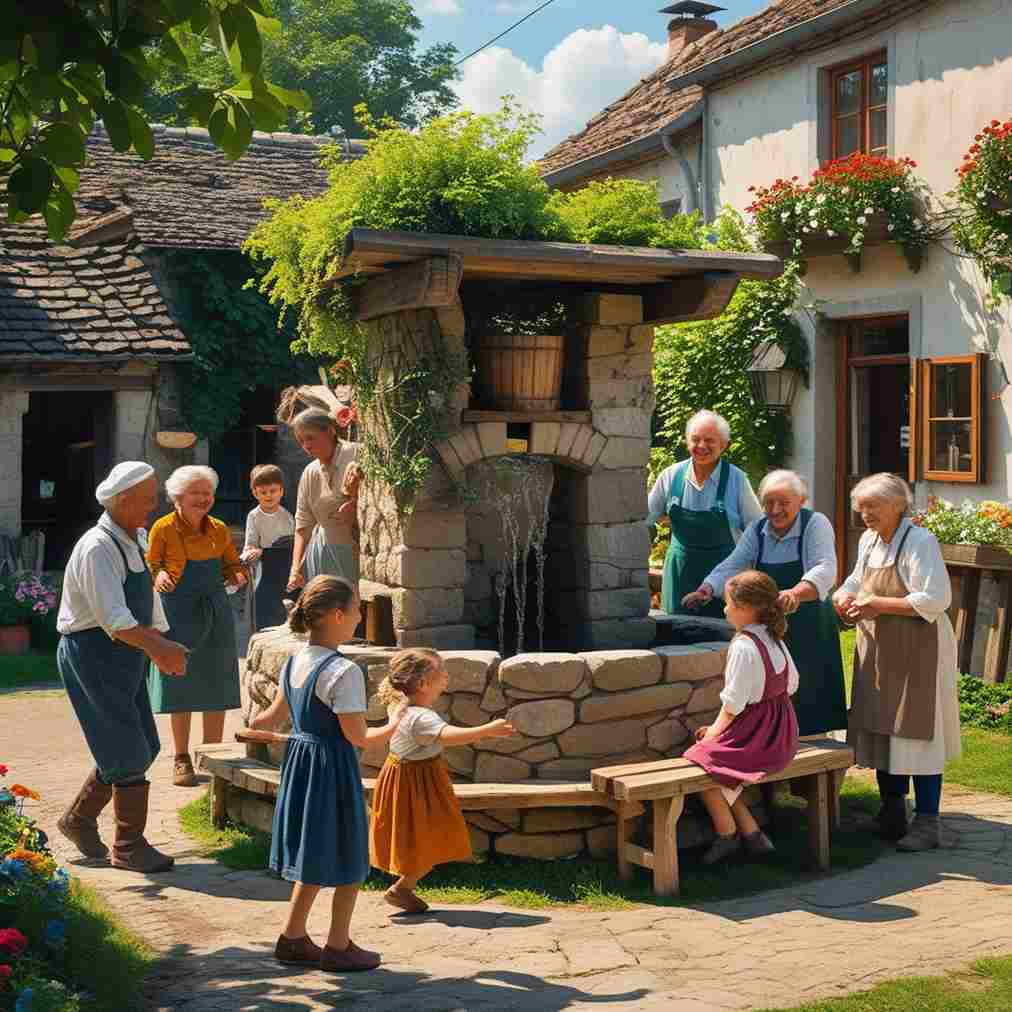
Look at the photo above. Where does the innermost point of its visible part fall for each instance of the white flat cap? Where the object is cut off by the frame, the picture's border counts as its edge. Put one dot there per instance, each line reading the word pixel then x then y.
pixel 122 477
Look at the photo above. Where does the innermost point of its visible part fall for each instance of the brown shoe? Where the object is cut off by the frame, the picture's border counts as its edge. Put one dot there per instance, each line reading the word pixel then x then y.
pixel 297 951
pixel 183 775
pixel 130 850
pixel 352 960
pixel 79 822
pixel 406 900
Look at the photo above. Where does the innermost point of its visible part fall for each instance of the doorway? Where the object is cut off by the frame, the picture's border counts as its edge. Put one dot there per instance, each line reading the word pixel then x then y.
pixel 66 444
pixel 873 415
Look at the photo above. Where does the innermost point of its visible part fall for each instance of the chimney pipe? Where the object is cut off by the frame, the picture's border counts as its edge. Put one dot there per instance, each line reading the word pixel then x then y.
pixel 684 31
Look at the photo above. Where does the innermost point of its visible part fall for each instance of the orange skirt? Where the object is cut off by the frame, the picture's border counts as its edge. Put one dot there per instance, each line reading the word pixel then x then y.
pixel 416 820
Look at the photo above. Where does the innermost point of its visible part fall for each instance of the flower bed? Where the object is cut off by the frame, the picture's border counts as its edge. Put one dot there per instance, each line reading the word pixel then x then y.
pixel 986 525
pixel 848 204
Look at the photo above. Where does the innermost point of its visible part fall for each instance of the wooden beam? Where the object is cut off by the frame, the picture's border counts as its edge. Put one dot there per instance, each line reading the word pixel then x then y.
pixel 966 616
pixel 76 381
pixel 996 656
pixel 698 297
pixel 580 417
pixel 429 283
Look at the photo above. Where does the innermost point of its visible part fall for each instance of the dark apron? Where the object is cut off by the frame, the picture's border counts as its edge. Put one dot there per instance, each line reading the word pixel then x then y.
pixel 104 679
pixel 813 638
pixel 275 565
pixel 700 541
pixel 200 618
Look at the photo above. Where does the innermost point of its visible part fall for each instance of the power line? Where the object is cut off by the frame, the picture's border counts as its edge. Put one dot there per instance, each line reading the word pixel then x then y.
pixel 516 24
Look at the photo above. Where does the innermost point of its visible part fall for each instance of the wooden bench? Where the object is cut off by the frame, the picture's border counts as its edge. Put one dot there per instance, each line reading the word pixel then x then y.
pixel 816 774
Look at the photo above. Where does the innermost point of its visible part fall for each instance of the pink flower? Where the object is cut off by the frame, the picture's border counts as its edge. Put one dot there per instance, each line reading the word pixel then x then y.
pixel 12 941
pixel 345 416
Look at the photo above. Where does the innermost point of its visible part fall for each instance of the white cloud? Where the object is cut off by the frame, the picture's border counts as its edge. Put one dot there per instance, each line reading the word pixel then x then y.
pixel 511 7
pixel 440 7
pixel 586 71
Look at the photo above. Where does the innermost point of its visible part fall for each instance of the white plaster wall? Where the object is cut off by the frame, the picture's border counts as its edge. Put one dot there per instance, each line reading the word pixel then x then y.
pixel 950 73
pixel 669 175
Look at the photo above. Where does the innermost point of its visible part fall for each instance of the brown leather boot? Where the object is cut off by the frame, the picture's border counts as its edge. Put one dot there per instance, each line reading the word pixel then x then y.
pixel 78 823
pixel 130 850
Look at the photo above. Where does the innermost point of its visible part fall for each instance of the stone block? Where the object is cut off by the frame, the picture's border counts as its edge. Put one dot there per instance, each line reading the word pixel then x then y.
pixel 434 529
pixel 615 670
pixel 465 444
pixel 668 735
pixel 506 746
pixel 469 669
pixel 594 450
pixel 622 422
pixel 705 696
pixel 545 438
pixel 494 701
pixel 623 451
pixel 451 320
pixel 562 820
pixel 626 545
pixel 634 392
pixel 492 437
pixel 581 442
pixel 445 637
pixel 602 841
pixel 690 663
pixel 568 432
pixel 494 768
pixel 610 309
pixel 608 497
pixel 577 770
pixel 603 340
pixel 618 367
pixel 419 568
pixel 543 672
pixel 460 759
pixel 465 709
pixel 616 705
pixel 420 609
pixel 612 634
pixel 608 738
pixel 631 602
pixel 455 467
pixel 376 711
pixel 545 847
pixel 540 753
pixel 544 718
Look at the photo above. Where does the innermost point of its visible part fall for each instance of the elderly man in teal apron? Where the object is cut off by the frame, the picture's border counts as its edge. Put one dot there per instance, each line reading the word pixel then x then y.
pixel 708 503
pixel 111 623
pixel 797 548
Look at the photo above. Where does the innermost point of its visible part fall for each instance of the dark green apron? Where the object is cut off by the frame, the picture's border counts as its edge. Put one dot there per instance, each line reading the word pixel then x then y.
pixel 813 638
pixel 200 618
pixel 275 567
pixel 700 541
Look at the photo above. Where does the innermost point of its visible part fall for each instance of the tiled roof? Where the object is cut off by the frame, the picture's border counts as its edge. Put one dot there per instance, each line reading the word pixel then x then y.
pixel 189 196
pixel 95 304
pixel 650 106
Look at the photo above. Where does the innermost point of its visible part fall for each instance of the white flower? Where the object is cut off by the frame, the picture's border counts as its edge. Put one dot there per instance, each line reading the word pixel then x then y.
pixel 869 210
pixel 892 228
pixel 862 220
pixel 982 193
pixel 895 189
pixel 846 189
pixel 814 223
pixel 806 230
pixel 822 199
pixel 830 233
pixel 785 216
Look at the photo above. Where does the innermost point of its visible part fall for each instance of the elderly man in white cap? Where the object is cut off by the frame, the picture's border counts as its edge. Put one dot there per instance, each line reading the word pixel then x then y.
pixel 111 622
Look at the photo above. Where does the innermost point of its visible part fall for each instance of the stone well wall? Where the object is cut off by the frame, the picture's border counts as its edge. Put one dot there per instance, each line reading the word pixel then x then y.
pixel 573 712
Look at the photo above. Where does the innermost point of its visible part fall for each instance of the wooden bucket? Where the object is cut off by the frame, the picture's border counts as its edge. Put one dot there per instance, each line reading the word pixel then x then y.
pixel 520 372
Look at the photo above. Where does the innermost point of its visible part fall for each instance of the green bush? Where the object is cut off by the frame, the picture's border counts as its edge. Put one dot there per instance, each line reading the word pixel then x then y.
pixel 984 705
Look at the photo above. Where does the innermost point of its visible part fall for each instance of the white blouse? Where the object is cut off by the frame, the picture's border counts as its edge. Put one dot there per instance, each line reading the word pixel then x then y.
pixel 341 685
pixel 745 673
pixel 921 568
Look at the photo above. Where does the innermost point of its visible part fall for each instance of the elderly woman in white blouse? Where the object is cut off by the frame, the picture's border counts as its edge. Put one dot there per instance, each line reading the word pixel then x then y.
pixel 796 547
pixel 708 503
pixel 904 716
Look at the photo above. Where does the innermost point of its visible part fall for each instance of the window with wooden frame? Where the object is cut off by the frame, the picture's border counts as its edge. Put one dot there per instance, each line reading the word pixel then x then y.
pixel 860 107
pixel 950 401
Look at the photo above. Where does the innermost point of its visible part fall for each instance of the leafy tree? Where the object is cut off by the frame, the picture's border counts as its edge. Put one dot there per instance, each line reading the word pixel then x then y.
pixel 342 53
pixel 63 63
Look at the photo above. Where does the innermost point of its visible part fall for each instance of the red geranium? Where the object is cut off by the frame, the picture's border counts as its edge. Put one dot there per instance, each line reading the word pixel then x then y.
pixel 12 941
pixel 3 770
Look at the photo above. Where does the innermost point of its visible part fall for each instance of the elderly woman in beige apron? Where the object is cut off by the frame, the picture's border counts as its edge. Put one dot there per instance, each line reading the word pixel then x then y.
pixel 904 715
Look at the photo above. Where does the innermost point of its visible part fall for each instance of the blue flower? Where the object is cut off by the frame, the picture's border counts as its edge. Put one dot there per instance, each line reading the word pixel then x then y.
pixel 56 933
pixel 24 1002
pixel 13 869
pixel 6 798
pixel 60 882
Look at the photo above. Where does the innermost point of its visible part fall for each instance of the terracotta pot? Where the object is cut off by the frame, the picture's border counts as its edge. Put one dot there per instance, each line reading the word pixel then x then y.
pixel 15 639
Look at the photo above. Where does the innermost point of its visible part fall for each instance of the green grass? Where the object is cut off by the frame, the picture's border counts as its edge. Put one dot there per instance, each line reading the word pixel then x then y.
pixel 35 667
pixel 532 884
pixel 986 986
pixel 986 763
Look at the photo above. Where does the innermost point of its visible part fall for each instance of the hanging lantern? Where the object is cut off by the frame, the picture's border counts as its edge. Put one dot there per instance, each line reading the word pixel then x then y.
pixel 774 383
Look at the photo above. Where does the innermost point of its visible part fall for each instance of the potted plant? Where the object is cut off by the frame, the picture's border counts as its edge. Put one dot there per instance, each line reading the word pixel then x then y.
pixel 972 533
pixel 850 203
pixel 23 598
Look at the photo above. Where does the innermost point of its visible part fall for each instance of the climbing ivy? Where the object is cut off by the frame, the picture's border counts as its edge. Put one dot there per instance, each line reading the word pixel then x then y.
pixel 235 339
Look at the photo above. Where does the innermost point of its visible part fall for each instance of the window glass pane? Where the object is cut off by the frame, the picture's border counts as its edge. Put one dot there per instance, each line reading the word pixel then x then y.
pixel 951 446
pixel 848 93
pixel 877 129
pixel 879 85
pixel 890 337
pixel 951 395
pixel 848 136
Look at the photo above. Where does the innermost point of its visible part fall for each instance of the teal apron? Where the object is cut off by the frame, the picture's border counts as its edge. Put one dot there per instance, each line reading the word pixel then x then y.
pixel 700 541
pixel 275 566
pixel 104 679
pixel 200 618
pixel 813 638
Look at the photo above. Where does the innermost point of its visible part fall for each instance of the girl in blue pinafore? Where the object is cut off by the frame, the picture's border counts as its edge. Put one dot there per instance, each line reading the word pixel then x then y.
pixel 321 833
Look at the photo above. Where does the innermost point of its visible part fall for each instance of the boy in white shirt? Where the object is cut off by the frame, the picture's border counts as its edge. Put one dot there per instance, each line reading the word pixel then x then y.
pixel 270 532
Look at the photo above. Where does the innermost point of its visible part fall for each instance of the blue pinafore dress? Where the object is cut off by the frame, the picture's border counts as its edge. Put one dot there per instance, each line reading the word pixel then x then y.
pixel 320 834
pixel 106 685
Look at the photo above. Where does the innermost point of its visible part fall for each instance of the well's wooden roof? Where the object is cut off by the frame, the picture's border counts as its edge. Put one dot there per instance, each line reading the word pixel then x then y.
pixel 372 251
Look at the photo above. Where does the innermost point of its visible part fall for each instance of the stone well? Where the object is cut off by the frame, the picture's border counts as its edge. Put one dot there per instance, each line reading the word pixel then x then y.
pixel 573 711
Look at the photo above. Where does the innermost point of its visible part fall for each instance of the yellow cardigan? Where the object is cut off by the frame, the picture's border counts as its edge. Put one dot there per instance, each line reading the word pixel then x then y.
pixel 172 541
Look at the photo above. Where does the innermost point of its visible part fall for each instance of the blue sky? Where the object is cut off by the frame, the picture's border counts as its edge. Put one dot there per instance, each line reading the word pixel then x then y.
pixel 567 62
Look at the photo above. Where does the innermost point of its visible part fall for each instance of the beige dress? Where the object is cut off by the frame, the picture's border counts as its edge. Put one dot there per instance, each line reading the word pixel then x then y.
pixel 333 546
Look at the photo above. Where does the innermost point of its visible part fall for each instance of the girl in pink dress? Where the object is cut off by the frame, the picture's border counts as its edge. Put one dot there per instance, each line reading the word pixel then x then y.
pixel 756 731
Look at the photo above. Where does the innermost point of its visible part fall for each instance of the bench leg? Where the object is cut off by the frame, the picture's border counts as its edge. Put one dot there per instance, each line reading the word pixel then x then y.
pixel 667 812
pixel 836 779
pixel 817 790
pixel 624 827
pixel 219 788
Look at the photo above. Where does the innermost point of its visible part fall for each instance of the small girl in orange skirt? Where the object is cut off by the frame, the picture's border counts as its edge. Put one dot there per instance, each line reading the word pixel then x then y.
pixel 416 819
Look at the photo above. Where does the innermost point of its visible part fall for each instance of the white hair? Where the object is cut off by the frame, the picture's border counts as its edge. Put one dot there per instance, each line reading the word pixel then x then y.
pixel 183 477
pixel 884 487
pixel 706 417
pixel 783 479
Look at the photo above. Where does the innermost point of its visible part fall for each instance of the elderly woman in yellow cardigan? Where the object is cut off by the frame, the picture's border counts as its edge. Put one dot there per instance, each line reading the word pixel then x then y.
pixel 192 557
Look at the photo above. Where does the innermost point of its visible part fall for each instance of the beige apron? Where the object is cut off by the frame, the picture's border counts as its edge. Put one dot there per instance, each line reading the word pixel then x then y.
pixel 895 667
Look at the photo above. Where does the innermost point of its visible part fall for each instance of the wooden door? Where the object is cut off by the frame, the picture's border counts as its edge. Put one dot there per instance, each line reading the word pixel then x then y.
pixel 873 415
